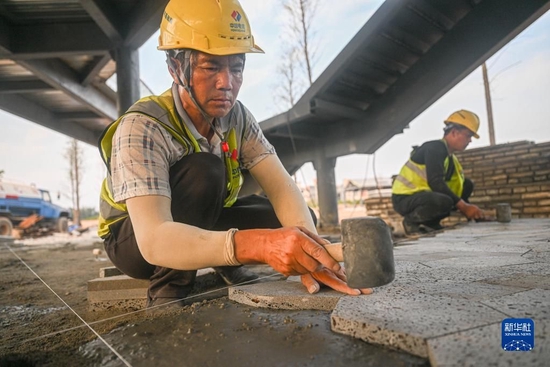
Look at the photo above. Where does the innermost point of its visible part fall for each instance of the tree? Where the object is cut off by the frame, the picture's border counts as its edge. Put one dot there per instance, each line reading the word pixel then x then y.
pixel 289 85
pixel 88 213
pixel 297 51
pixel 296 66
pixel 301 35
pixel 74 155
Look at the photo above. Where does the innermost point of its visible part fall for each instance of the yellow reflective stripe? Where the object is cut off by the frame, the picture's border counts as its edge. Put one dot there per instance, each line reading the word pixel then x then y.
pixel 419 171
pixel 405 182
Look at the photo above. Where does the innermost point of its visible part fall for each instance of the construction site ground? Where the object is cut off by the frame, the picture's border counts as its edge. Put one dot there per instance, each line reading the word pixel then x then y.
pixel 43 287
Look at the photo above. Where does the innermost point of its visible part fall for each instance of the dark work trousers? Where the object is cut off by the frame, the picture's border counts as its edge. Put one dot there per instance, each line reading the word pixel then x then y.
pixel 428 207
pixel 198 189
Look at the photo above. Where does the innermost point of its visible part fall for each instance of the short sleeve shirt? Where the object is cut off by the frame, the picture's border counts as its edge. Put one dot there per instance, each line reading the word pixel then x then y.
pixel 143 151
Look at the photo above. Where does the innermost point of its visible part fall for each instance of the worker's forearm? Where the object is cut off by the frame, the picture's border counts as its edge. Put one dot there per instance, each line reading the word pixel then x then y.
pixel 461 205
pixel 284 195
pixel 291 208
pixel 184 247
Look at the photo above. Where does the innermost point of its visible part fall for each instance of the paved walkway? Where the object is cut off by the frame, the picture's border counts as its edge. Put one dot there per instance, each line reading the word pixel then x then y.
pixel 450 296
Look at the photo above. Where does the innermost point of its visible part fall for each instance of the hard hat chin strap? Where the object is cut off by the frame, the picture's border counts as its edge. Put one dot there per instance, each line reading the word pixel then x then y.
pixel 186 84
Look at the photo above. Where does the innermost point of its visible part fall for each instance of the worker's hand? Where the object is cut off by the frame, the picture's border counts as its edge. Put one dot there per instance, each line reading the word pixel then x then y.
pixel 296 251
pixel 288 250
pixel 334 280
pixel 470 211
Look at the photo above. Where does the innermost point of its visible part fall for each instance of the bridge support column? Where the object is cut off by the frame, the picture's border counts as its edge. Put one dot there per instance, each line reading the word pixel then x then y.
pixel 128 80
pixel 326 190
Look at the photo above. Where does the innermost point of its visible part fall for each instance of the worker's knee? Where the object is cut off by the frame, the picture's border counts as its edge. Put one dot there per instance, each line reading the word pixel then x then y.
pixel 443 204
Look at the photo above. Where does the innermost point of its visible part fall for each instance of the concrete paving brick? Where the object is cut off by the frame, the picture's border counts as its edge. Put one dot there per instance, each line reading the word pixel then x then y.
pixel 109 272
pixel 478 262
pixel 522 280
pixel 405 319
pixel 540 246
pixel 538 256
pixel 469 247
pixel 116 282
pixel 424 256
pixel 482 347
pixel 8 240
pixel 121 291
pixel 284 295
pixel 453 286
pixel 469 291
pixel 410 273
pixel 422 273
pixel 533 303
pixel 506 236
pixel 404 266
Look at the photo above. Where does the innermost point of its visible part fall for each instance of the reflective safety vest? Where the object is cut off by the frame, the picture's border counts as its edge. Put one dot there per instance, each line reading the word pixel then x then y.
pixel 162 110
pixel 412 178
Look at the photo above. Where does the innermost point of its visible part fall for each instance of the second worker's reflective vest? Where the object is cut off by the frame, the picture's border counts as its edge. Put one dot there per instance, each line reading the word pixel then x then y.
pixel 413 178
pixel 162 110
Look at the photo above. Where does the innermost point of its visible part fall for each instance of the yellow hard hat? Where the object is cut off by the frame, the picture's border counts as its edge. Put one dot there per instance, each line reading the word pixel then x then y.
pixel 216 27
pixel 465 118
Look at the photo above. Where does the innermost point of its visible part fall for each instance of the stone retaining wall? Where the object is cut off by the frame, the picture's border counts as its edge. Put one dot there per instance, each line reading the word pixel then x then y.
pixel 516 173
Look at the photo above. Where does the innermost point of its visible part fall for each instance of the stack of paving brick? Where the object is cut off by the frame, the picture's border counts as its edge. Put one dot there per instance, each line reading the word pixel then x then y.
pixel 382 207
pixel 515 173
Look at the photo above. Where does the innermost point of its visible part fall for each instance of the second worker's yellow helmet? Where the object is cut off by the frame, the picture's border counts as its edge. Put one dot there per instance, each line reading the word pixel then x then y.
pixel 216 27
pixel 465 118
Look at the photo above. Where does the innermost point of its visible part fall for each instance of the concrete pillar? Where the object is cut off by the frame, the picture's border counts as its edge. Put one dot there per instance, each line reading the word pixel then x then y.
pixel 127 75
pixel 326 189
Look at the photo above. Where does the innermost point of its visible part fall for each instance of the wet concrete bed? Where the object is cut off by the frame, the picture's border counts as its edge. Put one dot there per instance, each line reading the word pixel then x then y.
pixel 221 332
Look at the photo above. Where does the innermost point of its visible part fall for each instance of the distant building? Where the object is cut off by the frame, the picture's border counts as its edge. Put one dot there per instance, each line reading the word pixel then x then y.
pixel 353 190
pixel 309 192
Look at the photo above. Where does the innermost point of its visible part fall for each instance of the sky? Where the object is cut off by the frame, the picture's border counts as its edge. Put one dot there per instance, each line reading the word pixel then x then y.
pixel 519 76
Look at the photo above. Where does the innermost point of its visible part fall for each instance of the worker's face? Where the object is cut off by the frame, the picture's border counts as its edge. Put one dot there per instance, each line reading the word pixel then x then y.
pixel 216 81
pixel 461 139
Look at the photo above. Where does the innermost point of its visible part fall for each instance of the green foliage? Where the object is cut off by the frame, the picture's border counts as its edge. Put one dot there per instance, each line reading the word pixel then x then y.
pixel 88 213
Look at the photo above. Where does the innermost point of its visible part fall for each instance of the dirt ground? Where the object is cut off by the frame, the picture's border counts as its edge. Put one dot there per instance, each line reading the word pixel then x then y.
pixel 38 328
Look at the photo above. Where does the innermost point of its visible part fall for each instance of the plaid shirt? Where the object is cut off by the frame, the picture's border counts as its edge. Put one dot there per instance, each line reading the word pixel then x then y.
pixel 143 152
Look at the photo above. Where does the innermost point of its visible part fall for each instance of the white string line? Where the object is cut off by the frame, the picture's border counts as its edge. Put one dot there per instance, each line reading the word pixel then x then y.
pixel 69 307
pixel 147 309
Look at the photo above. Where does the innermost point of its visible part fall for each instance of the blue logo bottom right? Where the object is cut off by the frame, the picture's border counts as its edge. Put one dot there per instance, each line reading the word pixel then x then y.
pixel 518 335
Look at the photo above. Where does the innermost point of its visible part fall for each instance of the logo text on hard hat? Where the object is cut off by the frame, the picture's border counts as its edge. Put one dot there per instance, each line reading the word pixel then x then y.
pixel 167 17
pixel 237 27
pixel 236 15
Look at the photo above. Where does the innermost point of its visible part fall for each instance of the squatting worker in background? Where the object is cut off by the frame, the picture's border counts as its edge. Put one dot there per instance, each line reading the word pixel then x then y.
pixel 431 184
pixel 170 204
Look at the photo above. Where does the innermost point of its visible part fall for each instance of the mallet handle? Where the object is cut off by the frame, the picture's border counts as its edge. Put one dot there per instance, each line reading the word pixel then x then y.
pixel 335 250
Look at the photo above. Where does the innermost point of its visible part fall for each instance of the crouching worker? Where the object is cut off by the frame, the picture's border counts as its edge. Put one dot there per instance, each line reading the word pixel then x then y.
pixel 170 204
pixel 432 184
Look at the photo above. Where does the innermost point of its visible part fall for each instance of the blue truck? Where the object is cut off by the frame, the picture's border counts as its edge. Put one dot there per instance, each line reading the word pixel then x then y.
pixel 26 204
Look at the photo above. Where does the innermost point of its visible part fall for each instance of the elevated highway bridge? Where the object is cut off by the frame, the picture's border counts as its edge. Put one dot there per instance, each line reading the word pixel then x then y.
pixel 56 56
